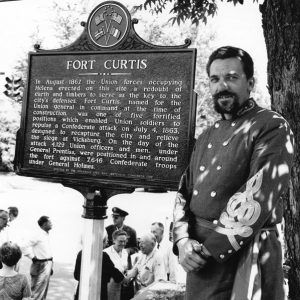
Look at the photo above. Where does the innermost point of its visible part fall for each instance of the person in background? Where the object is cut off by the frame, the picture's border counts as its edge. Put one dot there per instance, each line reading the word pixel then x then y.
pixel 3 228
pixel 38 249
pixel 108 271
pixel 150 266
pixel 177 273
pixel 13 286
pixel 157 229
pixel 229 197
pixel 119 216
pixel 15 231
pixel 13 213
pixel 165 247
pixel 119 257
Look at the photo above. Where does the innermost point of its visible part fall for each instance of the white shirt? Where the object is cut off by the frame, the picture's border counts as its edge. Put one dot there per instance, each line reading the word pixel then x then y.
pixel 120 262
pixel 172 266
pixel 177 273
pixel 38 245
pixel 4 236
pixel 16 232
pixel 150 268
pixel 165 248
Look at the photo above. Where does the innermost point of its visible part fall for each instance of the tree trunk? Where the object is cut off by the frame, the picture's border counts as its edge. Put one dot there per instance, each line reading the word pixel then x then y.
pixel 281 25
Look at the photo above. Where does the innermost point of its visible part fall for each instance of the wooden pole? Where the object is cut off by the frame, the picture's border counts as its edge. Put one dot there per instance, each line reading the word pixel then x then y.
pixel 91 264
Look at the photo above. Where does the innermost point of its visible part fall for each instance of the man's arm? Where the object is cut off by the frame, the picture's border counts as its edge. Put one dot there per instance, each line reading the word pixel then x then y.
pixel 181 212
pixel 185 247
pixel 27 246
pixel 249 209
pixel 132 272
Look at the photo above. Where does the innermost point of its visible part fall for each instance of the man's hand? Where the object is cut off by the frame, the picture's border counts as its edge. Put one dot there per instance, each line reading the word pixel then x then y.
pixel 188 256
pixel 130 274
pixel 126 281
pixel 129 251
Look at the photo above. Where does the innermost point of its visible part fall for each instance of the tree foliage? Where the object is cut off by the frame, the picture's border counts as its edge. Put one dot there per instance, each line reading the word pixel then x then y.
pixel 280 19
pixel 9 124
pixel 21 66
pixel 66 27
pixel 202 36
pixel 68 16
pixel 164 33
pixel 66 24
pixel 194 10
pixel 64 20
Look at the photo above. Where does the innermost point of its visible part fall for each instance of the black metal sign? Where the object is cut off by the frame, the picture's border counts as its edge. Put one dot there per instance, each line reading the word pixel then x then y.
pixel 101 111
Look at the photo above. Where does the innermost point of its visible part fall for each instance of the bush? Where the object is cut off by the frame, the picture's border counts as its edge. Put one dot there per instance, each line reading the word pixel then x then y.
pixel 9 124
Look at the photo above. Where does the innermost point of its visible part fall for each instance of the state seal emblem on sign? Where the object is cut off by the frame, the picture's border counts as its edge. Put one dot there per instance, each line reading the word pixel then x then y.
pixel 108 24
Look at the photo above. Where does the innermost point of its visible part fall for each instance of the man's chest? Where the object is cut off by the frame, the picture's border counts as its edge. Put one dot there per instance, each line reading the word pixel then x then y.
pixel 220 166
pixel 224 153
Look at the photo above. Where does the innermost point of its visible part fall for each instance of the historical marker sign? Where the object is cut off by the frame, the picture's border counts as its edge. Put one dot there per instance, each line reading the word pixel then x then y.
pixel 122 116
pixel 117 110
pixel 104 115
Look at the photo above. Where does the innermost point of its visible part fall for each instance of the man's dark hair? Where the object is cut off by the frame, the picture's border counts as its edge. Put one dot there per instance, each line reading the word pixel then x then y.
pixel 229 52
pixel 117 233
pixel 42 220
pixel 4 212
pixel 13 210
pixel 10 253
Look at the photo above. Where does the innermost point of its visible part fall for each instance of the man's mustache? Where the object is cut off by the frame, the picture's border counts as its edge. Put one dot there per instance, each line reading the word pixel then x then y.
pixel 223 94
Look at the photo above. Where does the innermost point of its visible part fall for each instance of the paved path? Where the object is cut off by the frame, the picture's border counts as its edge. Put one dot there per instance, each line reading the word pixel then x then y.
pixel 62 284
pixel 36 197
pixel 64 206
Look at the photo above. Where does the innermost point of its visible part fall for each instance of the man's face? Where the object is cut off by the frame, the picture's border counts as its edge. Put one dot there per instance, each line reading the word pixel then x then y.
pixel 3 220
pixel 47 225
pixel 158 232
pixel 11 217
pixel 146 246
pixel 118 220
pixel 229 85
pixel 120 242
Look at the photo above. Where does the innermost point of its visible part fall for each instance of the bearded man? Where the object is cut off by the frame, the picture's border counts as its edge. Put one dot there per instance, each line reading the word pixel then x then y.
pixel 229 199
